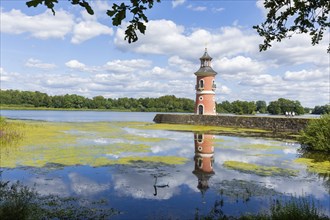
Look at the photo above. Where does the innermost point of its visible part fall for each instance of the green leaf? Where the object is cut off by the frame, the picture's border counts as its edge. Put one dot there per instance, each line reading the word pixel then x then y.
pixel 141 27
pixel 34 3
pixel 87 7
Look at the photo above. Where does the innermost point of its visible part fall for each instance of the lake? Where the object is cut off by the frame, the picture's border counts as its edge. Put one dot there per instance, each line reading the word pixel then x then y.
pixel 119 161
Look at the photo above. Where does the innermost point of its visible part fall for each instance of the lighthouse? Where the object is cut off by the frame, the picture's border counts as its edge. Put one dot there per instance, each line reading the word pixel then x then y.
pixel 205 87
pixel 204 160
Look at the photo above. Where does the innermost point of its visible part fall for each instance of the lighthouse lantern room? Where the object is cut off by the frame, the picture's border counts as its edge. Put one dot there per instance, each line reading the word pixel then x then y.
pixel 205 87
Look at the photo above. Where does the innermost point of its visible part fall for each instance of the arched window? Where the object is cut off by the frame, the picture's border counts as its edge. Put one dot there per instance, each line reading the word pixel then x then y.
pixel 201 84
pixel 200 138
pixel 200 162
pixel 200 109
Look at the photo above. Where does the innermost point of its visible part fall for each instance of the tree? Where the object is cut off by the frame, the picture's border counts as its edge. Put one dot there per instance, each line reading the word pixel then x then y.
pixel 118 13
pixel 281 106
pixel 288 17
pixel 316 136
pixel 261 106
pixel 243 107
pixel 324 109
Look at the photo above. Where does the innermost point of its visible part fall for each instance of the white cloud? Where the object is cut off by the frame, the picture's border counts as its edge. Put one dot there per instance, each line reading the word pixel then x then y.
pixel 197 8
pixel 260 5
pixel 298 50
pixel 62 81
pixel 236 66
pixel 176 3
pixel 35 63
pixel 75 64
pixel 168 38
pixel 42 26
pixel 305 75
pixel 46 25
pixel 259 80
pixel 218 9
pixel 86 30
pixel 126 66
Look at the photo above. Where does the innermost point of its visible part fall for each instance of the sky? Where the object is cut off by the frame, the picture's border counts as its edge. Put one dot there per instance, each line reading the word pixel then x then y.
pixel 76 53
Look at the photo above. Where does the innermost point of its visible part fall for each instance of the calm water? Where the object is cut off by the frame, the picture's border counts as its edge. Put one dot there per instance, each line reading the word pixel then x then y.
pixel 147 189
pixel 78 116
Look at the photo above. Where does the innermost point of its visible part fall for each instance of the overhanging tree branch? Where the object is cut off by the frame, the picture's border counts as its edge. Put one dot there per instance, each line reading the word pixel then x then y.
pixel 288 17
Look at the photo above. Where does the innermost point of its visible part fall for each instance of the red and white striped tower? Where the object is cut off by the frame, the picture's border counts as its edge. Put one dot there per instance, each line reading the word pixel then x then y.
pixel 205 87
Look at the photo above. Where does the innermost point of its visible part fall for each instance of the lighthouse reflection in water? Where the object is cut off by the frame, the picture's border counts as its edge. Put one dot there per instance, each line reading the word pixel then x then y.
pixel 204 160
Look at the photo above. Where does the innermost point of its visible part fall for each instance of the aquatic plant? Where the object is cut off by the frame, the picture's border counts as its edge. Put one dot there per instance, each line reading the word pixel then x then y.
pixel 302 208
pixel 93 144
pixel 10 132
pixel 320 167
pixel 316 136
pixel 21 202
pixel 258 169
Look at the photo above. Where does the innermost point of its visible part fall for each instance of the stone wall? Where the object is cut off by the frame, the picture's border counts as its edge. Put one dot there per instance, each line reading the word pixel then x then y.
pixel 280 124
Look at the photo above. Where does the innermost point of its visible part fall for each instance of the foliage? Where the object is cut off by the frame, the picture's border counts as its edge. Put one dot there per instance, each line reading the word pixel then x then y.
pixel 237 107
pixel 323 109
pixel 281 106
pixel 261 106
pixel 243 107
pixel 168 103
pixel 21 202
pixel 118 12
pixel 288 17
pixel 17 201
pixel 224 107
pixel 316 136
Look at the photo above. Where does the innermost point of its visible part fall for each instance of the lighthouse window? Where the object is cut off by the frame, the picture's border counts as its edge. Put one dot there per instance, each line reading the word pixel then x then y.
pixel 200 162
pixel 201 98
pixel 200 138
pixel 201 84
pixel 200 148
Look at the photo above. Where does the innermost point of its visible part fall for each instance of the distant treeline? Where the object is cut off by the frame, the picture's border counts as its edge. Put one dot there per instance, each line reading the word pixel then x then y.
pixel 168 103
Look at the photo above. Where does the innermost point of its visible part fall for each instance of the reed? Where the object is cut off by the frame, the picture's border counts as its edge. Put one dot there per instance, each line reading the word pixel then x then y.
pixel 10 132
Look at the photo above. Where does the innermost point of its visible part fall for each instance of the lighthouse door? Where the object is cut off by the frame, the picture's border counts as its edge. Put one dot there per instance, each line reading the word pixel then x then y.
pixel 200 109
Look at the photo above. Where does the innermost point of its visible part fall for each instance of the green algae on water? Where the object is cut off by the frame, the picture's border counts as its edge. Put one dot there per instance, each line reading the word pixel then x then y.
pixel 320 167
pixel 196 128
pixel 258 169
pixel 65 144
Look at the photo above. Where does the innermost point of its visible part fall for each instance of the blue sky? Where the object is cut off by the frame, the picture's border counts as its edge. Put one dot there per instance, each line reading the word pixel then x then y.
pixel 76 53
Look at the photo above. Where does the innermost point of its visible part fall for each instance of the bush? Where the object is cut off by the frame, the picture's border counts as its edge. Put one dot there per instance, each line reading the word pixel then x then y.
pixel 316 136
